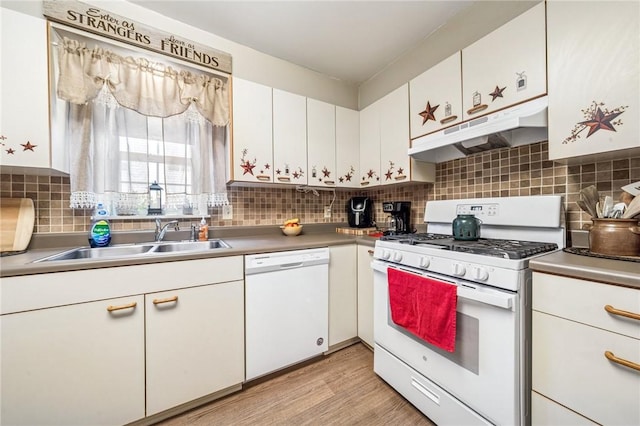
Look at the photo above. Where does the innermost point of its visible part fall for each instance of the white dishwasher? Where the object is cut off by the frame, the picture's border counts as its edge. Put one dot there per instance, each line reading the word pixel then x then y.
pixel 286 308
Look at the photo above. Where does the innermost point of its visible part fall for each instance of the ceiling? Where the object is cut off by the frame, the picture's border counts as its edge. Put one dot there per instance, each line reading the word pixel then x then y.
pixel 348 40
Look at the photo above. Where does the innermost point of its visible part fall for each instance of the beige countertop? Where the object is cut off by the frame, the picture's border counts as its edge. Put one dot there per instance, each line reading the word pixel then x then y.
pixel 262 242
pixel 616 272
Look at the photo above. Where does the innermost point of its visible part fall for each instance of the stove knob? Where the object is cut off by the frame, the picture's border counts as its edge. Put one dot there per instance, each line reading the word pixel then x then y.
pixel 386 254
pixel 397 256
pixel 480 274
pixel 424 262
pixel 459 270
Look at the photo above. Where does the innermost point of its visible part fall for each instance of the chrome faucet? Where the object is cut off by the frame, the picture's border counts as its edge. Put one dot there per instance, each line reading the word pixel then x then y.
pixel 161 230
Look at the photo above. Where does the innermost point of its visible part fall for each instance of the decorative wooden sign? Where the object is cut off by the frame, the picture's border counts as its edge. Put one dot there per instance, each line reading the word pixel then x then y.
pixel 99 21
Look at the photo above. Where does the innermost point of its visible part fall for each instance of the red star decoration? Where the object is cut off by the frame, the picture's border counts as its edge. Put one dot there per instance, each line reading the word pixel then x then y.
pixel 296 175
pixel 600 121
pixel 267 166
pixel 341 179
pixel 278 171
pixel 28 146
pixel 427 114
pixel 247 167
pixel 370 173
pixel 400 170
pixel 347 178
pixel 388 175
pixel 11 151
pixel 326 173
pixel 497 93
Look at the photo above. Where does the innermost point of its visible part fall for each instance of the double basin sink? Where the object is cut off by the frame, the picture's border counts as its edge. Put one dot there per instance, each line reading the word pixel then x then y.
pixel 143 249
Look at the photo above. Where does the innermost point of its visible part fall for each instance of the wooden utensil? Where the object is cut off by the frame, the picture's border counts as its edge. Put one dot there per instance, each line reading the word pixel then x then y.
pixel 586 208
pixel 17 217
pixel 633 209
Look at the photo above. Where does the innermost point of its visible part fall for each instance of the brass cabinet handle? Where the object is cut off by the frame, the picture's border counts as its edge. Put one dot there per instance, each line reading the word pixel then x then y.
pixel 611 357
pixel 621 313
pixel 112 308
pixel 167 300
pixel 370 252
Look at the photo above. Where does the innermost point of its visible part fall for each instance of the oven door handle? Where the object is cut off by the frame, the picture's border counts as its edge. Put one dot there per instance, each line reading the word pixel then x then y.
pixel 500 300
pixel 493 298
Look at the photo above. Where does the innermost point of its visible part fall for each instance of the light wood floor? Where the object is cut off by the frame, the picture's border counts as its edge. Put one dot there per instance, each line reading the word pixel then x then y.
pixel 340 389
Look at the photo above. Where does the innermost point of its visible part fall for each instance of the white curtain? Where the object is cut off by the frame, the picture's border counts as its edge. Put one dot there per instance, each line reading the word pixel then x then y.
pixel 130 122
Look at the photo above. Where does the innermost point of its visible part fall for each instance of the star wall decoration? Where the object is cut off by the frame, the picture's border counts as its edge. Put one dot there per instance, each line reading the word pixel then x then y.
pixel 428 113
pixel 296 175
pixel 600 121
pixel 598 117
pixel 267 166
pixel 325 172
pixel 400 171
pixel 28 146
pixel 278 171
pixel 388 175
pixel 11 151
pixel 497 93
pixel 370 173
pixel 246 165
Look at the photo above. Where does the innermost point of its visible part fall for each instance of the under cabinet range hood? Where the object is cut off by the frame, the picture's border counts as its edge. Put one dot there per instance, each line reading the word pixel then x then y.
pixel 518 125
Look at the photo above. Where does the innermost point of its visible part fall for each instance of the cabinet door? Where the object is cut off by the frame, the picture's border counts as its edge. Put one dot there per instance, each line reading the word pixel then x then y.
pixel 365 294
pixel 347 147
pixel 370 145
pixel 74 365
pixel 394 136
pixel 289 138
pixel 594 63
pixel 194 343
pixel 321 141
pixel 252 159
pixel 24 91
pixel 507 66
pixel 436 97
pixel 343 294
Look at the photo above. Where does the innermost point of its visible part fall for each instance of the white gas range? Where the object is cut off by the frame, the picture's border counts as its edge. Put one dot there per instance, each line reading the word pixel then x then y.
pixel 486 379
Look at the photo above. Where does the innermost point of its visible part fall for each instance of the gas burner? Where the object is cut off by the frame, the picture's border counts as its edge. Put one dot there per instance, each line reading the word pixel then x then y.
pixel 506 249
pixel 414 239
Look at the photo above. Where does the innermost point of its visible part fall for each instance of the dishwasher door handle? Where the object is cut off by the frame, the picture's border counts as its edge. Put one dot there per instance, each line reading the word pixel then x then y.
pixel 291 265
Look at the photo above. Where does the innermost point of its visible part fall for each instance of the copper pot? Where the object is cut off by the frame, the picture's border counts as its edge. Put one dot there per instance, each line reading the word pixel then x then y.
pixel 615 237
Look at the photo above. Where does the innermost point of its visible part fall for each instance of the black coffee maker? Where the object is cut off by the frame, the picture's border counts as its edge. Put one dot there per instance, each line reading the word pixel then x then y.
pixel 360 212
pixel 399 221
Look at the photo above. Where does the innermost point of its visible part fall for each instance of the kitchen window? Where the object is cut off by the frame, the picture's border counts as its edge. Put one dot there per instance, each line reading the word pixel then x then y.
pixel 130 120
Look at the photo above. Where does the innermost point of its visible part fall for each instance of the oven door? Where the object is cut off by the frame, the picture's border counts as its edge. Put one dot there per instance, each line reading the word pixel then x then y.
pixel 484 371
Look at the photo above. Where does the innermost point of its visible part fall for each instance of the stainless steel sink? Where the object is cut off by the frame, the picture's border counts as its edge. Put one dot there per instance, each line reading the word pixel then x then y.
pixel 190 246
pixel 128 250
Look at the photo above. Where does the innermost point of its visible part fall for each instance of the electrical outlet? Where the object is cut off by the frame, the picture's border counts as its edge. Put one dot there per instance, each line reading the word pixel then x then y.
pixel 227 212
pixel 327 212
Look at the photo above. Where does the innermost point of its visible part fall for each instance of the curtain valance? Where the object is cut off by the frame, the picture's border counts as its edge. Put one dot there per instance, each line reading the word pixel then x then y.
pixel 151 89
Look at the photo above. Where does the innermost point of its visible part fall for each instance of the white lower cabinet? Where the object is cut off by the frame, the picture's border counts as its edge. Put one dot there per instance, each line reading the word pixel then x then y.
pixel 365 294
pixel 578 326
pixel 74 354
pixel 343 294
pixel 74 365
pixel 194 343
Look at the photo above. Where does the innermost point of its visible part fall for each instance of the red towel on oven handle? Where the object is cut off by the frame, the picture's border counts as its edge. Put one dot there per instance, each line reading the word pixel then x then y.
pixel 424 306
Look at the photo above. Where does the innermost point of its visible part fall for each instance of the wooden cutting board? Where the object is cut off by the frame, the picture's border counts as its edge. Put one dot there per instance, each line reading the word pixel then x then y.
pixel 17 217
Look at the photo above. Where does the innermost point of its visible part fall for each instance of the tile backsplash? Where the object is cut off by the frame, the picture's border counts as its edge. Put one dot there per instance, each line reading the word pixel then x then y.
pixel 505 172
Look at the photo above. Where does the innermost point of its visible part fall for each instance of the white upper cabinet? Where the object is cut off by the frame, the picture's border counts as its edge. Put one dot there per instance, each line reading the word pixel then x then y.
pixel 394 136
pixel 24 94
pixel 436 97
pixel 289 138
pixel 321 143
pixel 507 66
pixel 594 64
pixel 252 154
pixel 347 147
pixel 369 174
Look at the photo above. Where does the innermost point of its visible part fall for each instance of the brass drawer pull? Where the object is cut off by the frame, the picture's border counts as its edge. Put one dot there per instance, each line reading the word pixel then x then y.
pixel 621 313
pixel 611 357
pixel 112 308
pixel 167 300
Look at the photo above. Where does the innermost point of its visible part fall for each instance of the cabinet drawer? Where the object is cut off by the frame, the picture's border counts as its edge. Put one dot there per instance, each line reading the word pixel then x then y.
pixel 569 366
pixel 585 301
pixel 546 412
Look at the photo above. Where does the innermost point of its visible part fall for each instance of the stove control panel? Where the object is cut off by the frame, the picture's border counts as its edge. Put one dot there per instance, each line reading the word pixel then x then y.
pixel 479 210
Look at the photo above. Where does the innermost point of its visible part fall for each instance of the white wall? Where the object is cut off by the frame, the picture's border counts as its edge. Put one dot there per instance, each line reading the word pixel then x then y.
pixel 248 64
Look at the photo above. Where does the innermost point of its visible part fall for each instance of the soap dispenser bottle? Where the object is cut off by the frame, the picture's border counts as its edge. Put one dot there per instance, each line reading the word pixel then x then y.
pixel 203 234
